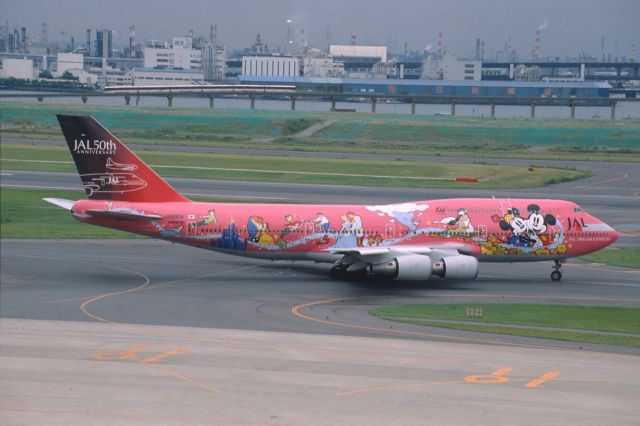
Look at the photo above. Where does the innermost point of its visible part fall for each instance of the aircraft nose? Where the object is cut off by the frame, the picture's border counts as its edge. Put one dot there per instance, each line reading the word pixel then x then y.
pixel 612 234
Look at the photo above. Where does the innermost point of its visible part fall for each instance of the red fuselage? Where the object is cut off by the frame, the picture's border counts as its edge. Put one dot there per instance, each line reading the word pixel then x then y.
pixel 489 229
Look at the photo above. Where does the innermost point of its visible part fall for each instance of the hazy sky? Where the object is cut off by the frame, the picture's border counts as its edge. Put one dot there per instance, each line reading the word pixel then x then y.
pixel 574 26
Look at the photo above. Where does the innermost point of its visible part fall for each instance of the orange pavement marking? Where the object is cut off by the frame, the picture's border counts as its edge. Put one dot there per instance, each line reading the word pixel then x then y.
pixel 131 354
pixel 115 354
pixel 502 371
pixel 544 378
pixel 496 377
pixel 155 358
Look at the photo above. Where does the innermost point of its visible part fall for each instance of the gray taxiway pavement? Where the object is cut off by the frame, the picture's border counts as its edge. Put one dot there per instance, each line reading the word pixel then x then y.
pixel 147 332
pixel 61 373
pixel 111 331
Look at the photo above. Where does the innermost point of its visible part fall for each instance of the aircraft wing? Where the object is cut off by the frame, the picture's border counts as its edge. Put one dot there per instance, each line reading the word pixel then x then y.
pixel 382 252
pixel 128 216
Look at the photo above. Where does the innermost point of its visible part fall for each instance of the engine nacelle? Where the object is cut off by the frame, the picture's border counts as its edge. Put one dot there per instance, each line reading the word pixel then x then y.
pixel 457 267
pixel 415 267
pixel 412 267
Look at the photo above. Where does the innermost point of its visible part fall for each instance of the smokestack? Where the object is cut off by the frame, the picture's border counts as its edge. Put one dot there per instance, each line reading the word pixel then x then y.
pixel 535 53
pixel 440 44
pixel 88 41
pixel 44 38
pixel 536 46
pixel 482 51
pixel 16 41
pixel 23 42
pixel 132 41
pixel 353 39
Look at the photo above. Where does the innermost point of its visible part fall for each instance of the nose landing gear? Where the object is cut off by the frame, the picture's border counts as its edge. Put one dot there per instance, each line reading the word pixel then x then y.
pixel 556 275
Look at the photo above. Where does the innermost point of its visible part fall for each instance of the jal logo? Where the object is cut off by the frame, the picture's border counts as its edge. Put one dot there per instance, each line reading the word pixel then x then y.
pixel 82 146
pixel 575 224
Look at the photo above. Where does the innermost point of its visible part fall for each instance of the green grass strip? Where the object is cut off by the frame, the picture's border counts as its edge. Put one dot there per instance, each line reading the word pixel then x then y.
pixel 589 324
pixel 25 215
pixel 602 140
pixel 629 257
pixel 595 318
pixel 303 169
pixel 569 336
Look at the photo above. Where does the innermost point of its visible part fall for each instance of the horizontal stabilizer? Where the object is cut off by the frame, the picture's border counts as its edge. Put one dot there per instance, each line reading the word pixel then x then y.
pixel 110 214
pixel 60 202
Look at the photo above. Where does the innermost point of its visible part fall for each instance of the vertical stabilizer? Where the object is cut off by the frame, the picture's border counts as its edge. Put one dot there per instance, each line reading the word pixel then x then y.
pixel 108 169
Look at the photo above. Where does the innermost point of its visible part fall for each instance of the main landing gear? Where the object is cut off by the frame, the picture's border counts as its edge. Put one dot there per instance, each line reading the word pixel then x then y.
pixel 340 271
pixel 556 275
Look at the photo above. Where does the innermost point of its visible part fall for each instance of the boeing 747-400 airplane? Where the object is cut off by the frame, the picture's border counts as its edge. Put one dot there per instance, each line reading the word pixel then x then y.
pixel 416 240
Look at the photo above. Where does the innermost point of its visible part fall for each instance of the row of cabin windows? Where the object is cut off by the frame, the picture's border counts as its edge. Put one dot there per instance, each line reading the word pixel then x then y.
pixel 403 233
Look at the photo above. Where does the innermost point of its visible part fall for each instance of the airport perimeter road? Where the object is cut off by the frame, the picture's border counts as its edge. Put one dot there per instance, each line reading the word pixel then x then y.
pixel 78 373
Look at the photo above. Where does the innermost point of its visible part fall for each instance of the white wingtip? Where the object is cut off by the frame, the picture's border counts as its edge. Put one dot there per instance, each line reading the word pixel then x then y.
pixel 60 202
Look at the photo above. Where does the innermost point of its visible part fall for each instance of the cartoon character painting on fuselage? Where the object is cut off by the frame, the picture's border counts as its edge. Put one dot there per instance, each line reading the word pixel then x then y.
pixel 491 230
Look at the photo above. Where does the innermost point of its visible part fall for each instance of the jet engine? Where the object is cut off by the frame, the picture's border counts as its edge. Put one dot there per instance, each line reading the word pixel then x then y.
pixel 415 267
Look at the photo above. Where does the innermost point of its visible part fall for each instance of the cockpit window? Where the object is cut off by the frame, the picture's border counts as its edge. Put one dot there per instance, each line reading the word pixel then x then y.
pixel 578 209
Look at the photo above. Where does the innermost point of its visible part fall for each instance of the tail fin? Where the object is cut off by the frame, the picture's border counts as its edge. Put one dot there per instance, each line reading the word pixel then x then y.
pixel 108 169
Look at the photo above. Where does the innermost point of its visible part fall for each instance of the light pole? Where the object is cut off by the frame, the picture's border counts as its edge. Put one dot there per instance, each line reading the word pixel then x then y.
pixel 289 41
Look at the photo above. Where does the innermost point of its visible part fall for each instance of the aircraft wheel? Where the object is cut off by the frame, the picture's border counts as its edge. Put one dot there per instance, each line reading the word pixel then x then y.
pixel 556 275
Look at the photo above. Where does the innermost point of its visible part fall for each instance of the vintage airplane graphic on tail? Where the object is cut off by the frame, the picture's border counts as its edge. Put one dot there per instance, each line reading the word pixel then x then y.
pixel 417 240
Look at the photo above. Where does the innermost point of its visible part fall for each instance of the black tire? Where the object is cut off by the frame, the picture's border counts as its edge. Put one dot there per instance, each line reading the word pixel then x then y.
pixel 556 275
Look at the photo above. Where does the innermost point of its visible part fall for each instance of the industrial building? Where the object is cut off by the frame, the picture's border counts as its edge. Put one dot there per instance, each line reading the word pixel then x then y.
pixel 322 67
pixel 273 66
pixel 175 54
pixel 214 62
pixel 351 51
pixel 69 62
pixel 450 67
pixel 399 87
pixel 165 77
pixel 104 43
pixel 17 68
